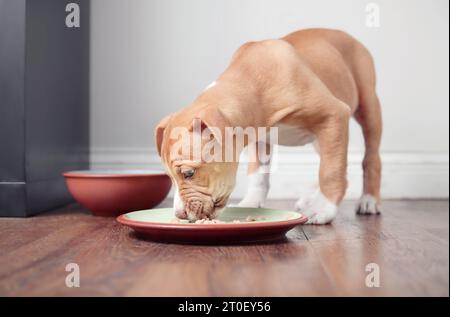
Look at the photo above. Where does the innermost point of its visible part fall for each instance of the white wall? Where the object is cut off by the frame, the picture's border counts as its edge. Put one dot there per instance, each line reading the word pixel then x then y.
pixel 152 57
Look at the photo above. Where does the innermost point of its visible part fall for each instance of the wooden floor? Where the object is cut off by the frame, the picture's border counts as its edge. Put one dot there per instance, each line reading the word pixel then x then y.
pixel 409 243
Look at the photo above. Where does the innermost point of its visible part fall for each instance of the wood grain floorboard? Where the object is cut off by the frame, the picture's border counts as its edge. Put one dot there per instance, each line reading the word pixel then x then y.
pixel 409 242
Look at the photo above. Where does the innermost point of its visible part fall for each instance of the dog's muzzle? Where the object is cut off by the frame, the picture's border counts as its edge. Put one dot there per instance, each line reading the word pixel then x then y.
pixel 200 208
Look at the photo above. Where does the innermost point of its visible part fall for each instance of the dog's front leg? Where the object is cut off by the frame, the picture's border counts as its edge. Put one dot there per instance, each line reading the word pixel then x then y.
pixel 332 137
pixel 258 178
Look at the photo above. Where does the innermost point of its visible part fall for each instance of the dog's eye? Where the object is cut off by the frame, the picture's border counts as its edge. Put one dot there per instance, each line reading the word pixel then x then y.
pixel 188 174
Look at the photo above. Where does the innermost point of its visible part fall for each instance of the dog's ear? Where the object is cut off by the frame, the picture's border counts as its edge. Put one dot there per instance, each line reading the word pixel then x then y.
pixel 159 132
pixel 212 119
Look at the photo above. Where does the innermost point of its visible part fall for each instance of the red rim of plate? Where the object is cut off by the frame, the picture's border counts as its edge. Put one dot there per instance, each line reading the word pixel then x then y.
pixel 191 226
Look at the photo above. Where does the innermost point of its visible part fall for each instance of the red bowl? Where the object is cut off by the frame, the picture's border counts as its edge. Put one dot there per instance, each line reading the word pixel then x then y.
pixel 112 193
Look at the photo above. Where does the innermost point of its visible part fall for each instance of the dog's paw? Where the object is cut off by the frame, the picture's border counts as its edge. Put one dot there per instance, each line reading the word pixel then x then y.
pixel 368 205
pixel 258 188
pixel 253 200
pixel 317 208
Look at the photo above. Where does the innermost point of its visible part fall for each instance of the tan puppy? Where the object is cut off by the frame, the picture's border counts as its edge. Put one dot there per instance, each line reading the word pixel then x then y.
pixel 308 84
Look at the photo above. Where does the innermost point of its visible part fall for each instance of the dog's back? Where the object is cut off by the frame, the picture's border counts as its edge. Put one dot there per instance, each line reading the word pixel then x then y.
pixel 338 59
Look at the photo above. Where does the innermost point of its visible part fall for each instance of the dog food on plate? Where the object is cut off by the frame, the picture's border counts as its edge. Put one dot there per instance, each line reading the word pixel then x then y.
pixel 215 221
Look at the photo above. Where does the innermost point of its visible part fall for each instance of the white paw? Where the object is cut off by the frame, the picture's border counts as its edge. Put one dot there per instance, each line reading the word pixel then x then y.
pixel 368 205
pixel 258 188
pixel 254 199
pixel 317 208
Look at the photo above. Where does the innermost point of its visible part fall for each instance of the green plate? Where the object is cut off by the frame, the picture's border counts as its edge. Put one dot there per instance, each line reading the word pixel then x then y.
pixel 235 225
pixel 229 215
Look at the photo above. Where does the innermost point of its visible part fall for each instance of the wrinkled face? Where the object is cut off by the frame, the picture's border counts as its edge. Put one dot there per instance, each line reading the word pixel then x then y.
pixel 202 186
pixel 202 189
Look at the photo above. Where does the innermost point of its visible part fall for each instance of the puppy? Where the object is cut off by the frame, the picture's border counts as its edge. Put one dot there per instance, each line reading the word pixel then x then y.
pixel 307 84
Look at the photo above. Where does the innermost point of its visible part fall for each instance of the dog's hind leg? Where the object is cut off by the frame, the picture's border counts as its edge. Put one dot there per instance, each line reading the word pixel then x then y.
pixel 368 115
pixel 258 178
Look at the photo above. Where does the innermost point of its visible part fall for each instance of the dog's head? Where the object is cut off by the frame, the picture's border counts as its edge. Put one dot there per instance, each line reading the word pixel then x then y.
pixel 203 186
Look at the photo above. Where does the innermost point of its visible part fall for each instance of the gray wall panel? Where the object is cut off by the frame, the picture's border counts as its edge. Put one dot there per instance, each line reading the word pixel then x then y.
pixel 44 103
pixel 12 67
pixel 57 86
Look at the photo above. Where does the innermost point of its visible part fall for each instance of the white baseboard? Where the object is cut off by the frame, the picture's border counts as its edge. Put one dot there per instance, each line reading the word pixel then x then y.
pixel 406 175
